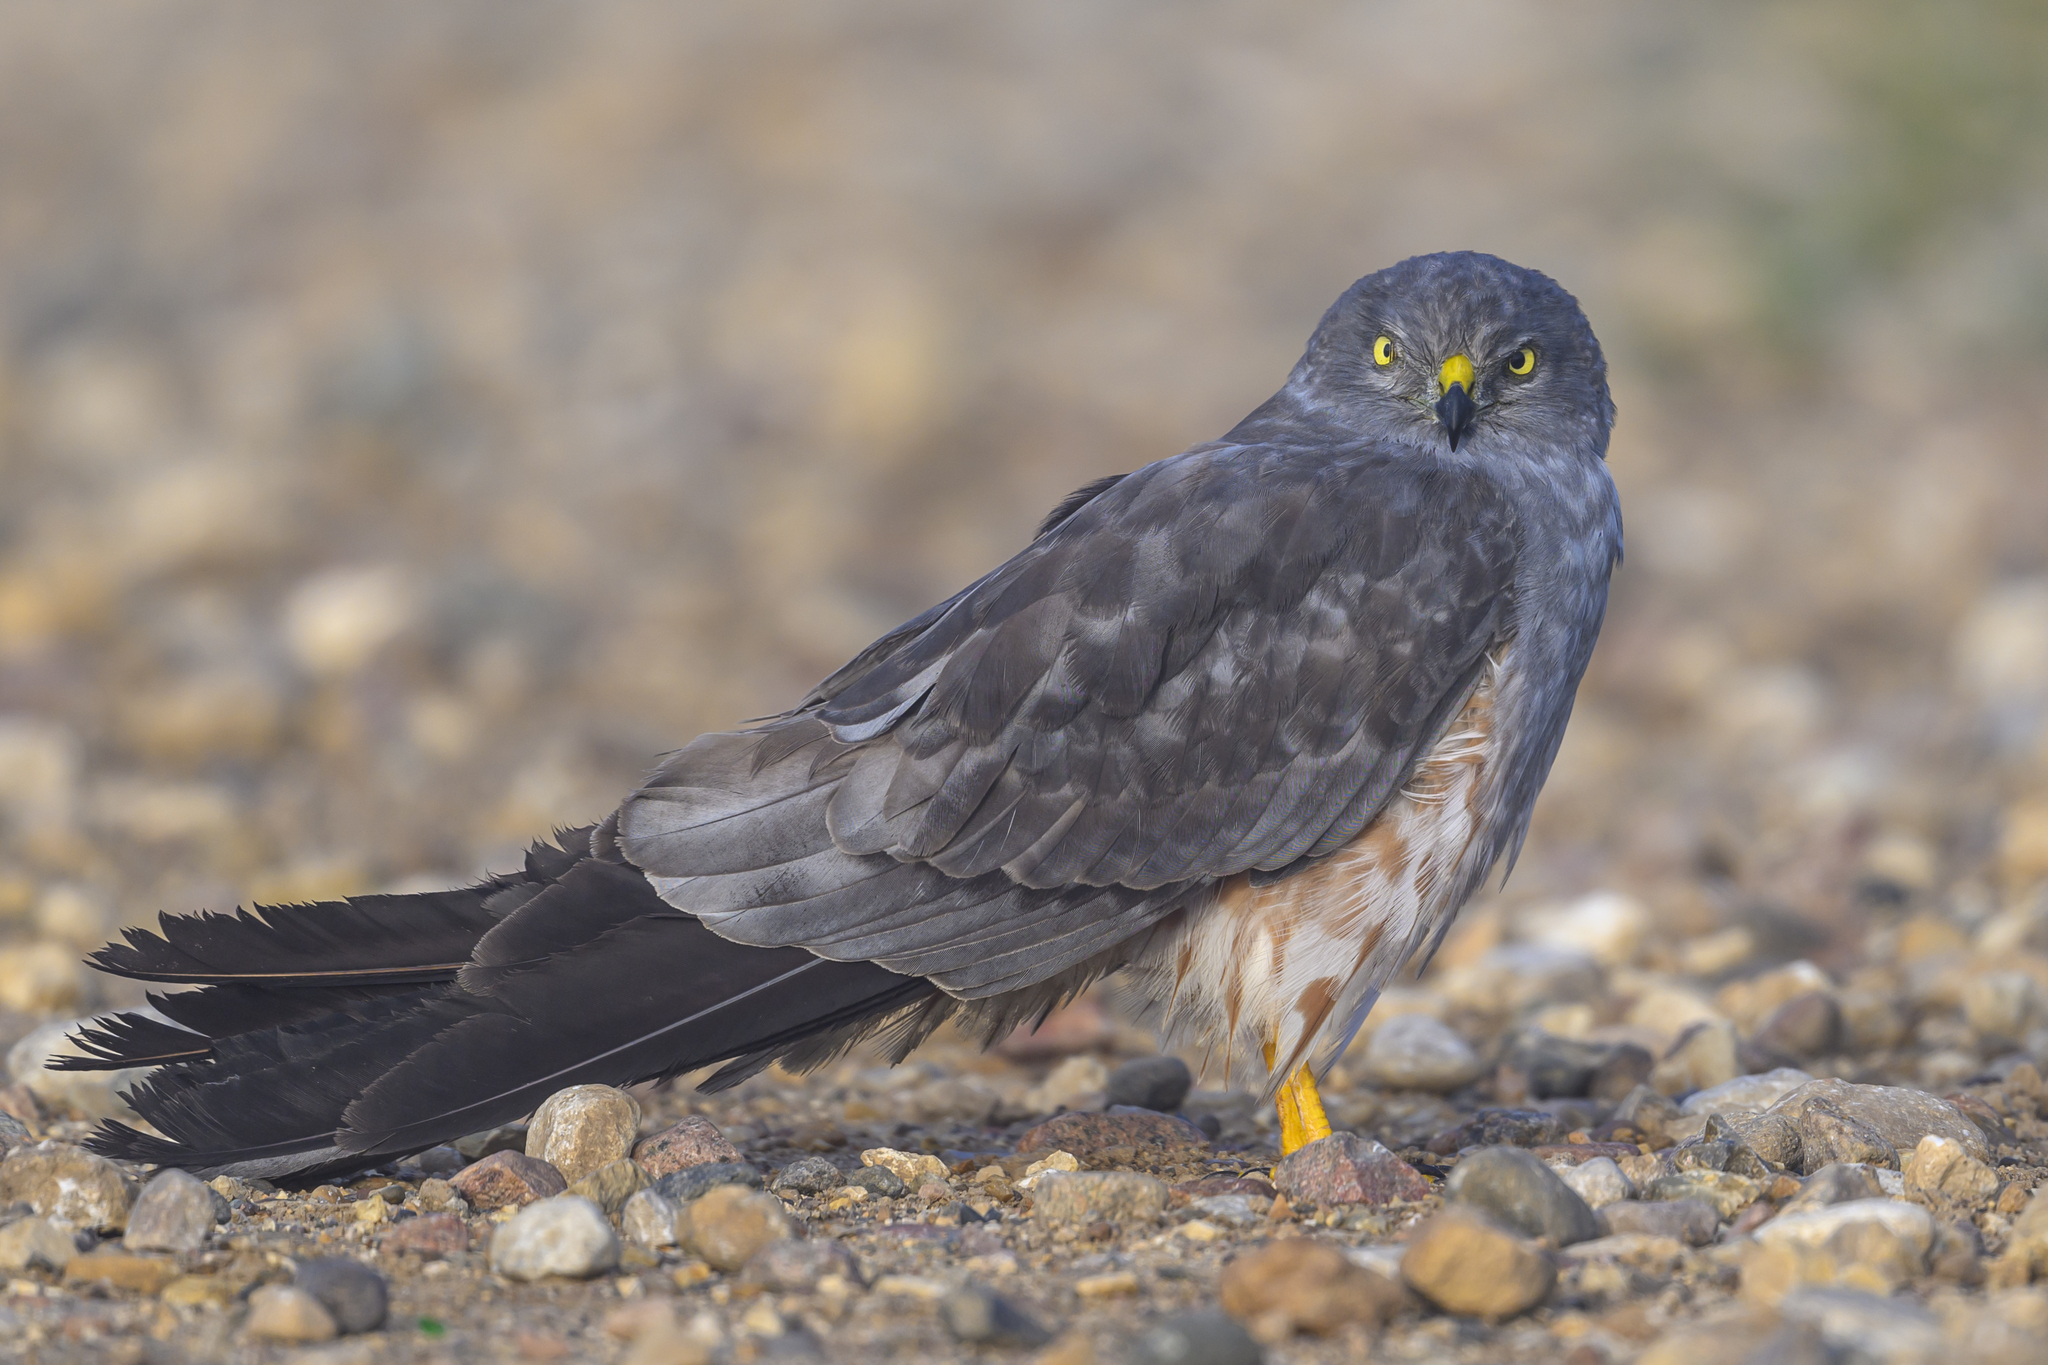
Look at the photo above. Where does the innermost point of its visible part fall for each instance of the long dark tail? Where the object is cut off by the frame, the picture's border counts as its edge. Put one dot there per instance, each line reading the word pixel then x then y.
pixel 327 1039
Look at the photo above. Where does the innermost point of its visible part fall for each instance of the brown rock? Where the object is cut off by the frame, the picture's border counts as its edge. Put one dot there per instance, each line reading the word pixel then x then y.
pixel 33 1242
pixel 1940 1166
pixel 122 1270
pixel 612 1184
pixel 1348 1169
pixel 695 1141
pixel 1087 1135
pixel 432 1234
pixel 1808 1025
pixel 1082 1198
pixel 1298 1285
pixel 727 1226
pixel 508 1178
pixel 281 1313
pixel 61 1181
pixel 1465 1263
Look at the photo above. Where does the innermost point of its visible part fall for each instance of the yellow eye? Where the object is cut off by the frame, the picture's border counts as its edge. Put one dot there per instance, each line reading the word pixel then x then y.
pixel 1383 352
pixel 1522 362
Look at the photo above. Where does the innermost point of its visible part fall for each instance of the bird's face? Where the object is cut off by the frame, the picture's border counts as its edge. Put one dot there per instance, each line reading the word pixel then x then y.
pixel 1464 351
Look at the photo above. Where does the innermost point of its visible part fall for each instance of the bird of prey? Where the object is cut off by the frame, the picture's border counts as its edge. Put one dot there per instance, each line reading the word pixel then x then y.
pixel 1247 725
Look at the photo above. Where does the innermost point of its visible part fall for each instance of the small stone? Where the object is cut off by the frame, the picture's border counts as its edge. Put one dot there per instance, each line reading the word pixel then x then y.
pixel 1159 1083
pixel 80 1094
pixel 611 1185
pixel 1112 1284
pixel 1650 1114
pixel 1691 1221
pixel 1827 1135
pixel 13 1133
pixel 1501 1128
pixel 1836 1183
pixel 353 1294
pixel 1869 1328
pixel 1807 1025
pixel 1202 1337
pixel 285 1314
pixel 1772 1137
pixel 431 1234
pixel 369 1212
pixel 695 1141
pixel 435 1194
pixel 60 1181
pixel 1629 1067
pixel 729 1224
pixel 1900 1116
pixel 1758 1091
pixel 566 1235
pixel 1940 1166
pixel 440 1161
pixel 1467 1264
pixel 582 1128
pixel 694 1182
pixel 809 1175
pixel 2026 1246
pixel 1727 1192
pixel 35 1243
pixel 973 1313
pixel 1599 1182
pixel 1811 1227
pixel 1298 1285
pixel 199 1291
pixel 1557 1067
pixel 1703 1056
pixel 1347 1169
pixel 1233 1210
pixel 912 1168
pixel 1416 1052
pixel 793 1266
pixel 173 1213
pixel 1085 1197
pixel 122 1270
pixel 507 1179
pixel 648 1219
pixel 1085 1135
pixel 879 1181
pixel 1522 1193
pixel 1076 1083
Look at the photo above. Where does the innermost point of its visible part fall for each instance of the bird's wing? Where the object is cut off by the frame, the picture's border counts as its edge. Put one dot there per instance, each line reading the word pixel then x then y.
pixel 1223 662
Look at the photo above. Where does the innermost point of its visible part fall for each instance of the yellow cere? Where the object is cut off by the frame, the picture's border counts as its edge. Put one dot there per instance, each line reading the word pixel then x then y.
pixel 1383 351
pixel 1456 370
pixel 1522 361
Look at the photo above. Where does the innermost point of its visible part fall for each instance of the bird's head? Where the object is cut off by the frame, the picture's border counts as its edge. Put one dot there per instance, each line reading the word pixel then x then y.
pixel 1460 350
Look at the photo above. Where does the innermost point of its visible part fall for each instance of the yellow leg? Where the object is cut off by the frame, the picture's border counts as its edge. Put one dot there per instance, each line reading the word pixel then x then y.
pixel 1302 1119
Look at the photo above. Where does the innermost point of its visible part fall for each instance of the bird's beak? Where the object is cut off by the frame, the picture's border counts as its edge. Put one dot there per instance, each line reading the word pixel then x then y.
pixel 1456 408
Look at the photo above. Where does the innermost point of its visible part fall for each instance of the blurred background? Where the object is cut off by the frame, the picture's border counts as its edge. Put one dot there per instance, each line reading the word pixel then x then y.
pixel 414 418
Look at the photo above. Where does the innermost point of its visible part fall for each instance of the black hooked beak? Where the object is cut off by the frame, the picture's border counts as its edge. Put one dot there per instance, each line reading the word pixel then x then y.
pixel 1456 411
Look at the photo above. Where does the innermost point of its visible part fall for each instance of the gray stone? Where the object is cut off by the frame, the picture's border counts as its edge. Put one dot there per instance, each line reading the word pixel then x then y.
pixel 1867 1329
pixel 1416 1052
pixel 1555 1067
pixel 1900 1116
pixel 1649 1113
pixel 582 1128
pixel 694 1182
pixel 648 1219
pixel 566 1236
pixel 81 1094
pixel 1083 1197
pixel 1808 1025
pixel 1232 1210
pixel 1205 1336
pixel 1501 1127
pixel 1726 1191
pixel 60 1181
pixel 1160 1083
pixel 1348 1169
pixel 1599 1182
pixel 1756 1091
pixel 1835 1183
pixel 353 1294
pixel 13 1133
pixel 1812 1227
pixel 809 1175
pixel 1827 1135
pixel 790 1265
pixel 174 1212
pixel 32 1243
pixel 1772 1137
pixel 1521 1192
pixel 973 1313
pixel 443 1160
pixel 879 1181
pixel 1691 1221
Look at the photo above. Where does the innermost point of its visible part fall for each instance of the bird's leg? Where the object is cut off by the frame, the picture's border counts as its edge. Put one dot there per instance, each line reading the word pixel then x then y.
pixel 1302 1119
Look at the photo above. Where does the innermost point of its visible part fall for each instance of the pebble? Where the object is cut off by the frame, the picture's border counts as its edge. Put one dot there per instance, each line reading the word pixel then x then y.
pixel 81 1094
pixel 1773 1138
pixel 174 1212
pixel 1900 1116
pixel 726 1226
pixel 1347 1169
pixel 648 1219
pixel 352 1293
pixel 1811 1227
pixel 1085 1135
pixel 694 1182
pixel 791 1265
pixel 1160 1083
pixel 1691 1221
pixel 566 1235
pixel 695 1141
pixel 1553 1066
pixel 1703 1056
pixel 1868 1328
pixel 122 1270
pixel 1758 1090
pixel 1234 1210
pixel 1076 1083
pixel 809 1175
pixel 1650 1114
pixel 1416 1052
pixel 1298 1285
pixel 976 1314
pixel 1522 1193
pixel 431 1234
pixel 2026 1248
pixel 1467 1264
pixel 1827 1135
pixel 30 1243
pixel 1083 1197
pixel 1726 1191
pixel 507 1179
pixel 1836 1183
pixel 13 1133
pixel 1939 1165
pixel 912 1168
pixel 68 1183
pixel 1807 1025
pixel 284 1314
pixel 612 1184
pixel 1599 1182
pixel 1501 1127
pixel 1201 1337
pixel 878 1181
pixel 582 1128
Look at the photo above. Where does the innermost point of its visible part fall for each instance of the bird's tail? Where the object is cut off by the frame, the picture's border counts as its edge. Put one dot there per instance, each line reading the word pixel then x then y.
pixel 326 1039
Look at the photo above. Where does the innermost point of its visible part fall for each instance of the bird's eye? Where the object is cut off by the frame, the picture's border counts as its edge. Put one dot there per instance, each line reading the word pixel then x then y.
pixel 1522 362
pixel 1383 352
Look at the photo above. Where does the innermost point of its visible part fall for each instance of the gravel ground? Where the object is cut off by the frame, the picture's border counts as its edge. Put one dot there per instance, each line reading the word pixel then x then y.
pixel 413 418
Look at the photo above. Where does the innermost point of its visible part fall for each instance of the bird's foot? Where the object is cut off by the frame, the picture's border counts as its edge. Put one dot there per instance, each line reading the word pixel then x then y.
pixel 1302 1119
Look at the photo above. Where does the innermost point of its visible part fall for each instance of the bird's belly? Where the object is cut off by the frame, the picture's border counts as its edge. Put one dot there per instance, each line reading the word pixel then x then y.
pixel 1293 964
